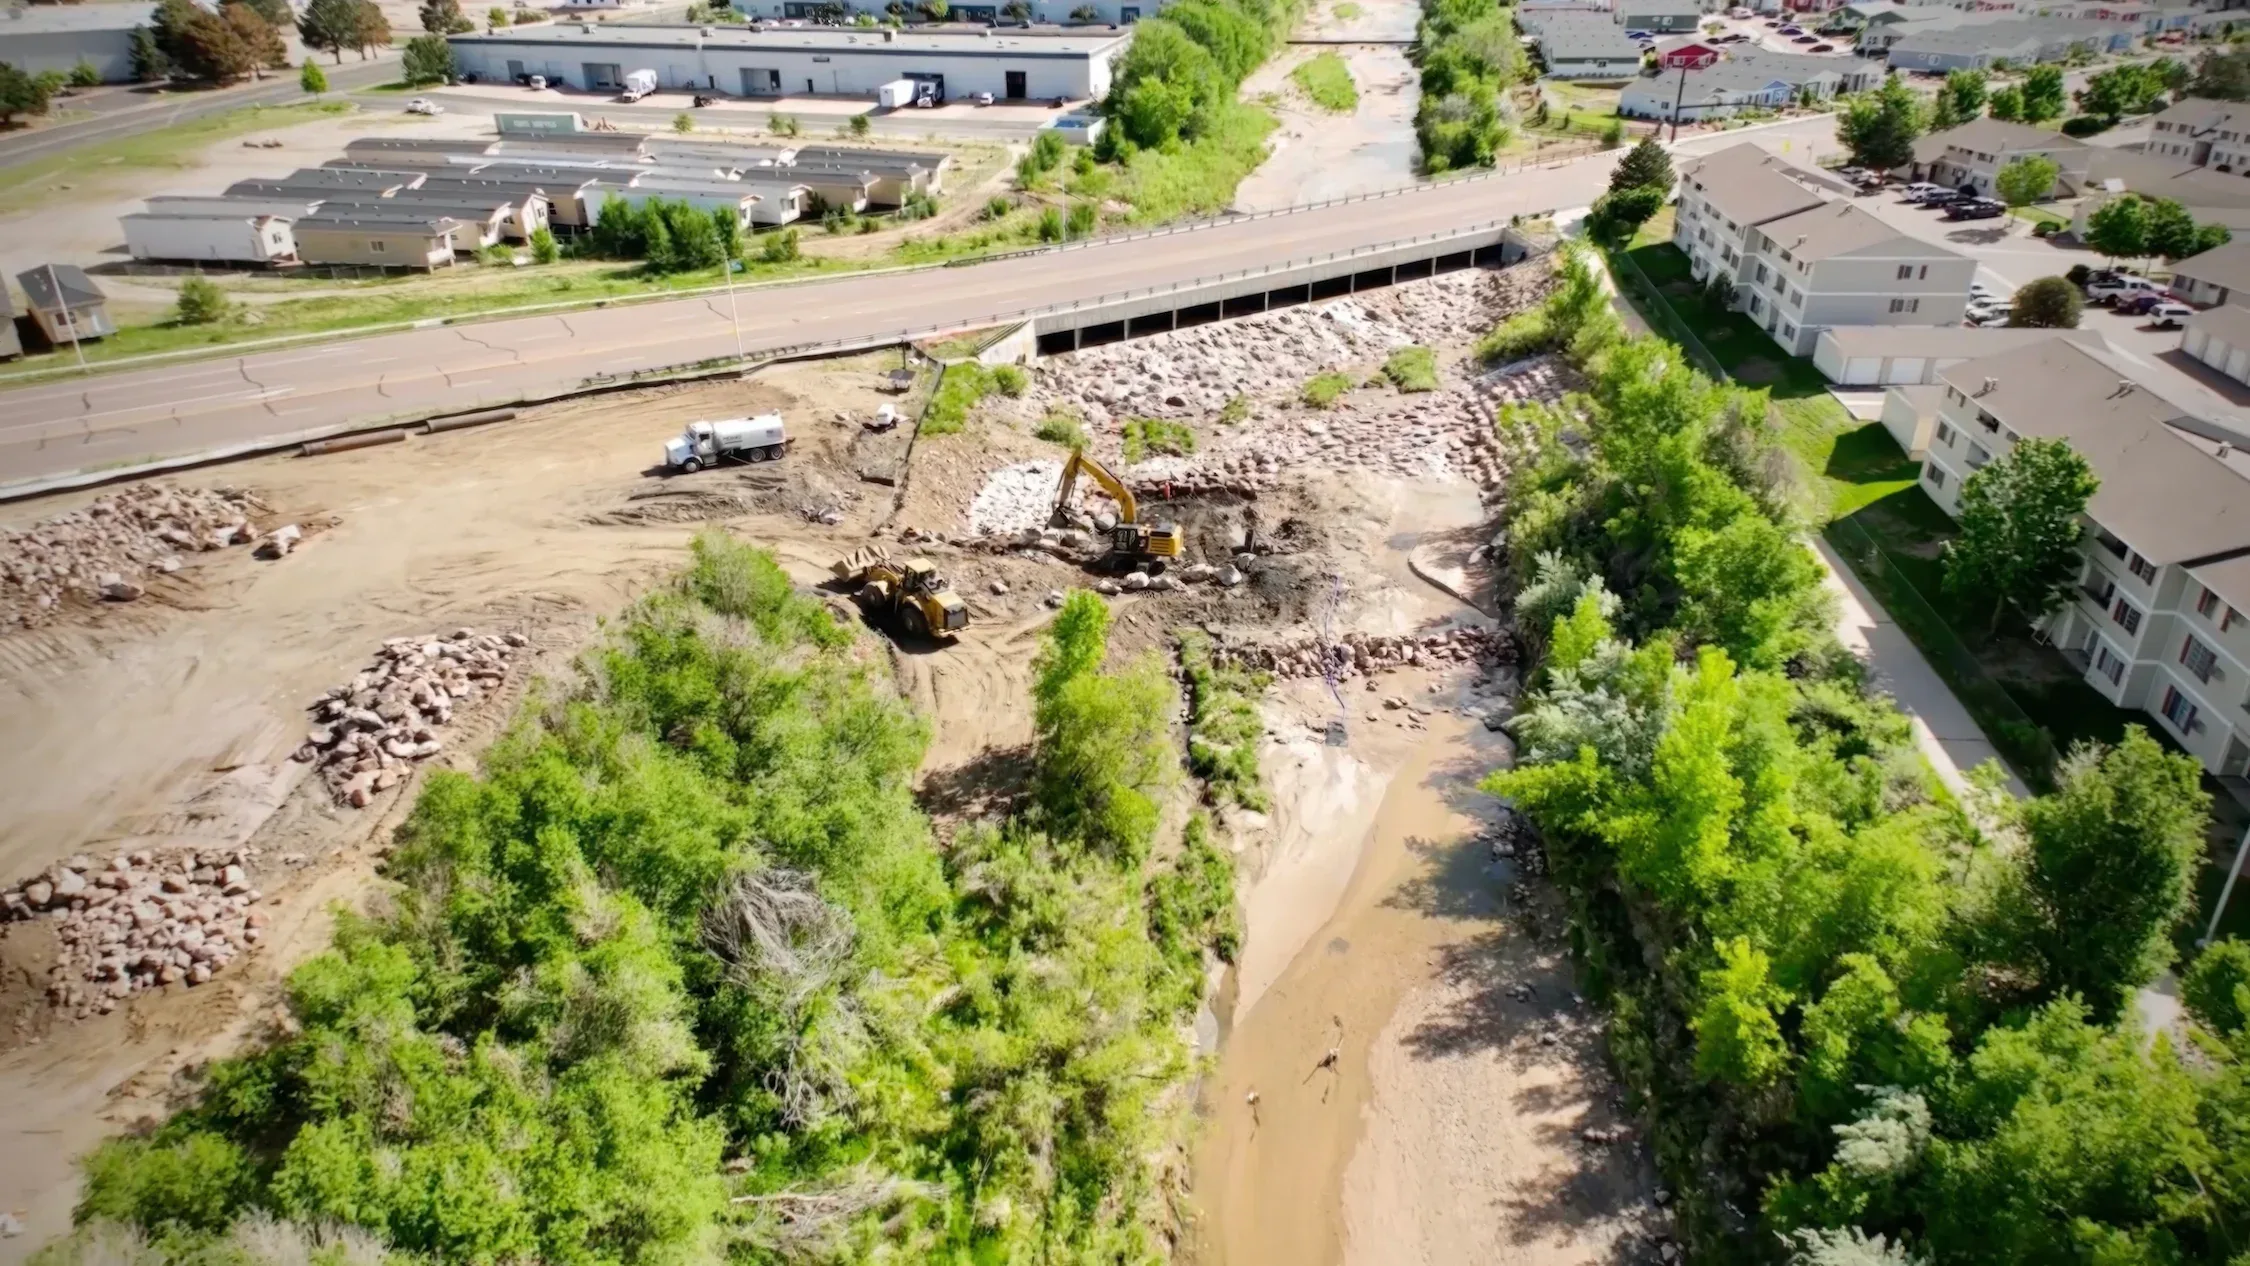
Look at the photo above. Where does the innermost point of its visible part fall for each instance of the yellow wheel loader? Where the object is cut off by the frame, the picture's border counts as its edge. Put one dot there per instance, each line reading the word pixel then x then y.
pixel 1133 545
pixel 911 596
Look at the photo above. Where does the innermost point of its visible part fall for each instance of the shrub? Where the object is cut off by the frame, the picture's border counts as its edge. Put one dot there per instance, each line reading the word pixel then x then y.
pixel 2216 987
pixel 201 302
pixel 683 122
pixel 859 125
pixel 1050 225
pixel 1613 134
pixel 2049 303
pixel 1327 81
pixel 1148 437
pixel 1412 369
pixel 962 388
pixel 1081 223
pixel 86 75
pixel 544 249
pixel 997 207
pixel 1223 724
pixel 311 78
pixel 1322 390
pixel 1235 411
pixel 1011 380
pixel 2087 125
pixel 780 248
pixel 1062 428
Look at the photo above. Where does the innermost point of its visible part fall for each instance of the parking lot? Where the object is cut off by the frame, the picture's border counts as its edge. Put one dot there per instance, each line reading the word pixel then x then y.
pixel 1770 37
pixel 2008 257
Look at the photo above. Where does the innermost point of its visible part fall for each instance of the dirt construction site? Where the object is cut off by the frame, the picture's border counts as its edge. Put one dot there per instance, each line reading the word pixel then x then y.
pixel 220 694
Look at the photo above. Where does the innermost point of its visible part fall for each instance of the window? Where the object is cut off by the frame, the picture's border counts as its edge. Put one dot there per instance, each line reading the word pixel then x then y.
pixel 2141 567
pixel 378 247
pixel 2127 616
pixel 1904 271
pixel 1789 334
pixel 2112 544
pixel 2107 663
pixel 1935 474
pixel 2200 659
pixel 1923 274
pixel 2229 620
pixel 1978 457
pixel 2207 604
pixel 2178 709
pixel 1946 434
pixel 1906 305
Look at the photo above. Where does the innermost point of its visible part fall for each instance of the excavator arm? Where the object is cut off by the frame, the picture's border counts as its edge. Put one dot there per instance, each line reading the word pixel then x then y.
pixel 1128 510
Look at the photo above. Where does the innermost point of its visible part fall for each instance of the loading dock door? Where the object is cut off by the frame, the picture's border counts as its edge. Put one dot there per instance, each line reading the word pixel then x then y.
pixel 936 82
pixel 1016 89
pixel 760 82
pixel 600 75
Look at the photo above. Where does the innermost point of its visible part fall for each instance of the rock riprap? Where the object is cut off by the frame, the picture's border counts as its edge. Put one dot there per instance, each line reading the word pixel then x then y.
pixel 104 551
pixel 140 920
pixel 366 733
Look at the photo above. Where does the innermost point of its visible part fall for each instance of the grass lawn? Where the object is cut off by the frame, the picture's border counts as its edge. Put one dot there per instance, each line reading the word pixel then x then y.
pixel 2027 698
pixel 180 146
pixel 1328 82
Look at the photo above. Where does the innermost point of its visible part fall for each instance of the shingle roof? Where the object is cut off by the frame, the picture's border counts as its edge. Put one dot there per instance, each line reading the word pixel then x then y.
pixel 1573 36
pixel 2166 498
pixel 2227 266
pixel 54 286
pixel 2161 177
pixel 1945 342
pixel 1997 136
pixel 1747 184
pixel 1839 228
pixel 2196 114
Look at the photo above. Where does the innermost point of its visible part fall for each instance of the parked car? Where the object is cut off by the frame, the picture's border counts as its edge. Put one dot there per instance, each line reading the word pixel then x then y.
pixel 1822 48
pixel 1976 209
pixel 1806 39
pixel 1990 320
pixel 1921 189
pixel 1942 199
pixel 538 83
pixel 1638 35
pixel 1791 29
pixel 2168 314
pixel 1854 174
pixel 423 105
pixel 1738 13
pixel 1773 21
pixel 984 98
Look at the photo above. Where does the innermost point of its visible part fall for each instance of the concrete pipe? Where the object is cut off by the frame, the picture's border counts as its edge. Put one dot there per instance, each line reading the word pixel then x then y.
pixel 346 443
pixel 438 426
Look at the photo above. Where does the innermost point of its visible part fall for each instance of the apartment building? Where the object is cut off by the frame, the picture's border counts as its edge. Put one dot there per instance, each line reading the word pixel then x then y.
pixel 1800 263
pixel 2200 133
pixel 1972 154
pixel 2157 621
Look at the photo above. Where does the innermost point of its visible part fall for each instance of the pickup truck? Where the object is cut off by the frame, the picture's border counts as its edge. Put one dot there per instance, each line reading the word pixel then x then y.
pixel 2111 289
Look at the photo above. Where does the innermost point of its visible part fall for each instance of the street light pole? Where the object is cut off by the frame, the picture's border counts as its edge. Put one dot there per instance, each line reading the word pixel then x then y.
pixel 2217 911
pixel 1677 97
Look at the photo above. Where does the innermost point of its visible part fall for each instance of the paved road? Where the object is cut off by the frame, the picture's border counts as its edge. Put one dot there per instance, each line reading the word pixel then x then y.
pixel 114 419
pixel 121 120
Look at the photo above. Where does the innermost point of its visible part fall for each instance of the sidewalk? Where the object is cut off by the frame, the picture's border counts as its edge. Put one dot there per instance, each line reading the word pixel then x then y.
pixel 1943 729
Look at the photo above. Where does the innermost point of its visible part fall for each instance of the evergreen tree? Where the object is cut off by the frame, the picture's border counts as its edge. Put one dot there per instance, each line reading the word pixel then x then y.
pixel 21 93
pixel 150 65
pixel 331 26
pixel 656 239
pixel 1646 165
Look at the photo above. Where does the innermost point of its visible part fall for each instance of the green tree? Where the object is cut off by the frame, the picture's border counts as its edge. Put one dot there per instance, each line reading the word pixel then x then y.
pixel 657 254
pixel 1967 90
pixel 2222 74
pixel 201 302
pixel 495 18
pixel 1103 747
pixel 330 26
pixel 2211 237
pixel 1164 87
pixel 2171 230
pixel 443 17
pixel 20 94
pixel 2049 303
pixel 370 29
pixel 428 60
pixel 2118 227
pixel 258 39
pixel 2042 94
pixel 150 65
pixel 1879 128
pixel 2216 988
pixel 781 248
pixel 311 79
pixel 1618 214
pixel 2006 103
pixel 1737 1038
pixel 2110 864
pixel 544 249
pixel 2020 531
pixel 277 13
pixel 1645 166
pixel 85 74
pixel 728 226
pixel 2026 179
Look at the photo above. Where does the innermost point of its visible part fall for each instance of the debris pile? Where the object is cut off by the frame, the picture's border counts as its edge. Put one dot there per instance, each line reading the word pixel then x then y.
pixel 140 920
pixel 102 551
pixel 367 733
pixel 1014 498
pixel 1358 654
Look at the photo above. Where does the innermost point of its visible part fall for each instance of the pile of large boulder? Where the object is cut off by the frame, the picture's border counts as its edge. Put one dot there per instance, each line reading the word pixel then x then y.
pixel 140 920
pixel 1364 654
pixel 105 551
pixel 368 732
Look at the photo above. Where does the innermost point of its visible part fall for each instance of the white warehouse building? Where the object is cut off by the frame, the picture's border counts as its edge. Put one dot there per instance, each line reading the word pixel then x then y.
pixel 814 61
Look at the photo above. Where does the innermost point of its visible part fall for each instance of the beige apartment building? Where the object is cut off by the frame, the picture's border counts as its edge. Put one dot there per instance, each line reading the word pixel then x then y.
pixel 1801 263
pixel 2157 619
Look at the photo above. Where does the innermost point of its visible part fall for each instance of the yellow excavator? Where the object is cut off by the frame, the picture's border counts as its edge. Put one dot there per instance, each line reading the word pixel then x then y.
pixel 1133 545
pixel 911 595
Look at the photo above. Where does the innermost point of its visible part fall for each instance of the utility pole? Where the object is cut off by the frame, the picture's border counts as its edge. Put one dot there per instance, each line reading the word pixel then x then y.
pixel 69 318
pixel 733 316
pixel 1677 98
